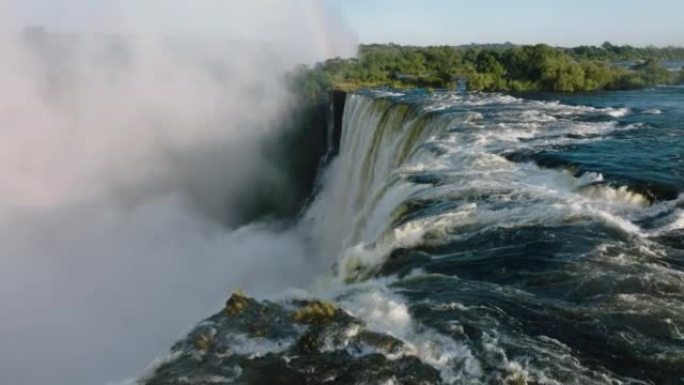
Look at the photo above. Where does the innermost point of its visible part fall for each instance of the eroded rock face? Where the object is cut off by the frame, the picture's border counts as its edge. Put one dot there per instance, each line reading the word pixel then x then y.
pixel 297 342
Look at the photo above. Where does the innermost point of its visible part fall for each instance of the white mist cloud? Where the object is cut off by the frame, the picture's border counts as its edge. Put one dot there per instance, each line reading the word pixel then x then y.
pixel 122 161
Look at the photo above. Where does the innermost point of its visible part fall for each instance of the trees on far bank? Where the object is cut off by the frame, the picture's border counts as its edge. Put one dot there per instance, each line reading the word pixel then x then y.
pixel 496 68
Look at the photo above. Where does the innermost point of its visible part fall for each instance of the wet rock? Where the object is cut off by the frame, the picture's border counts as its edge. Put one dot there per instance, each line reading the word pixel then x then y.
pixel 295 342
pixel 316 312
pixel 237 303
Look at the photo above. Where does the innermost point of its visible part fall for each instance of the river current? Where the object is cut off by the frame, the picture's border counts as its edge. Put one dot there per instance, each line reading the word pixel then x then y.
pixel 537 237
pixel 476 239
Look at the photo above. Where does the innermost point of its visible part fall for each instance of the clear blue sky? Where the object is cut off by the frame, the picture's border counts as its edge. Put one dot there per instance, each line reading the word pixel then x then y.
pixel 568 23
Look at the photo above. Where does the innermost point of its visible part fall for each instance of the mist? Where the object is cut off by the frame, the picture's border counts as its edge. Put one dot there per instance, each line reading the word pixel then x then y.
pixel 131 136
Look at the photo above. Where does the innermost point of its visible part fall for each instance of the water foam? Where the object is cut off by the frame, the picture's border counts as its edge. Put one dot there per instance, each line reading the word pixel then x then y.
pixel 467 165
pixel 387 312
pixel 386 183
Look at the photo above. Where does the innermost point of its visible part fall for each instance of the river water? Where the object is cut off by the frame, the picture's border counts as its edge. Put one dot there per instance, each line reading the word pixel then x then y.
pixel 536 238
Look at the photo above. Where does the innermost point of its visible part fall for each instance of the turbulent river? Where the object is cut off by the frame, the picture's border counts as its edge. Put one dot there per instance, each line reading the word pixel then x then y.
pixel 498 239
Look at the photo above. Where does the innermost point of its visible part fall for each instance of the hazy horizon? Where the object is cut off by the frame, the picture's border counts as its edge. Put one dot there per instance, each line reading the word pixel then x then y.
pixel 583 22
pixel 432 22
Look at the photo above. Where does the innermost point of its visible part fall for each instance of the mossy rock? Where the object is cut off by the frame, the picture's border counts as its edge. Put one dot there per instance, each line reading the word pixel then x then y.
pixel 203 342
pixel 257 330
pixel 382 342
pixel 237 303
pixel 518 378
pixel 309 342
pixel 323 348
pixel 317 312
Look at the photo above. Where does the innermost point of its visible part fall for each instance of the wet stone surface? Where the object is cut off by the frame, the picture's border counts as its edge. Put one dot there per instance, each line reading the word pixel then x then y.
pixel 297 342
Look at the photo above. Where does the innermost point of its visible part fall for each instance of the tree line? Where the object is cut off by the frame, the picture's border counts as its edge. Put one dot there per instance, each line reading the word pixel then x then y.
pixel 504 67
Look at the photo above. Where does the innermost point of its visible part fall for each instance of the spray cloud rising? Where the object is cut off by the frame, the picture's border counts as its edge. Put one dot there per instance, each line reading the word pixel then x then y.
pixel 124 158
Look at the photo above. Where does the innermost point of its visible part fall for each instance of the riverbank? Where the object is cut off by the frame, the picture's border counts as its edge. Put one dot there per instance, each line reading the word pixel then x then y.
pixel 505 68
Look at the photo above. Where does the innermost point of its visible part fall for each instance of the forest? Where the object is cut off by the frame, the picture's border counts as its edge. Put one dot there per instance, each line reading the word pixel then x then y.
pixel 502 67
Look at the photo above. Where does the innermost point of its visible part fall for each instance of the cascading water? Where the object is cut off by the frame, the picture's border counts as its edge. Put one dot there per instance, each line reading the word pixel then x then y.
pixel 480 239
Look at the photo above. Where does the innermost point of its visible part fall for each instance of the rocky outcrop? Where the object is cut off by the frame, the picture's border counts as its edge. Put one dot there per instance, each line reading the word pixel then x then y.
pixel 296 342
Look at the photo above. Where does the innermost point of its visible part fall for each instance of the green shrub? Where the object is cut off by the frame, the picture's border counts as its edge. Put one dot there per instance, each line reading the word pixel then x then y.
pixel 316 312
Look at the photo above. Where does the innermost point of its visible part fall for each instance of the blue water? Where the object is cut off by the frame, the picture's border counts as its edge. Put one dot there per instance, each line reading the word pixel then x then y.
pixel 481 239
pixel 649 158
pixel 515 239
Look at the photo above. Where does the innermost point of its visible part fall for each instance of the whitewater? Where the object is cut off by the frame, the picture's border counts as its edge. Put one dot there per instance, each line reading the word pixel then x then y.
pixel 483 239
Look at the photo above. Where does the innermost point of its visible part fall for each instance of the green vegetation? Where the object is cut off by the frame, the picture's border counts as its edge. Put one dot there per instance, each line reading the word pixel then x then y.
pixel 610 52
pixel 203 343
pixel 237 303
pixel 317 312
pixel 492 68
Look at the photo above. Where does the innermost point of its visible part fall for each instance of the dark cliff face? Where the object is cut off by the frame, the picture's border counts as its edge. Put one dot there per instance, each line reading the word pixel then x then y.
pixel 337 99
pixel 297 341
pixel 308 138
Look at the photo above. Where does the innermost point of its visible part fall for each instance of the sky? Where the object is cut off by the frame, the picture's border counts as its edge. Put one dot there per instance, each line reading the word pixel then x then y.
pixel 238 19
pixel 424 22
pixel 565 23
